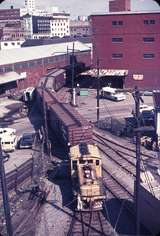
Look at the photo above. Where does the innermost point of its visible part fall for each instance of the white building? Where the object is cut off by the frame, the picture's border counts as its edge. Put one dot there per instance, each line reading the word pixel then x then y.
pixel 45 11
pixel 30 5
pixel 60 25
pixel 28 27
pixel 10 44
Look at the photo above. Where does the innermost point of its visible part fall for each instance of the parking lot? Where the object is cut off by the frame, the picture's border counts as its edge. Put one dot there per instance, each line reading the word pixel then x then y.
pixel 87 105
pixel 10 118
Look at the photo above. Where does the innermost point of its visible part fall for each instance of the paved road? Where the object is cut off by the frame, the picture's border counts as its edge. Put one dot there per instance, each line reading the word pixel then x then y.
pixel 87 106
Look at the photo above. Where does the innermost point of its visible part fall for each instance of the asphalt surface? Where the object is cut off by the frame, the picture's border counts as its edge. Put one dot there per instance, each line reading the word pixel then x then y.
pixel 87 106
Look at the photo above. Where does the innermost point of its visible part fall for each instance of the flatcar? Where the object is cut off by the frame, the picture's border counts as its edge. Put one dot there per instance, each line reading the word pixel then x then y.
pixel 86 175
pixel 67 124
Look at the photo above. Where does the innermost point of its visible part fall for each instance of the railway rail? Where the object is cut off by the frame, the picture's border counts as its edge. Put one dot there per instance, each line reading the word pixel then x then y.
pixel 25 224
pixel 92 223
pixel 127 150
pixel 118 168
pixel 115 187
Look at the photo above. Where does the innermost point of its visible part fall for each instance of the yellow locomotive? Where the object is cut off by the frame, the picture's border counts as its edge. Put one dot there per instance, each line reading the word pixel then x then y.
pixel 86 175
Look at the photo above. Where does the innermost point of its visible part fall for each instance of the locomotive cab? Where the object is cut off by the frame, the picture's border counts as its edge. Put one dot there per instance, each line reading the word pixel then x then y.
pixel 86 174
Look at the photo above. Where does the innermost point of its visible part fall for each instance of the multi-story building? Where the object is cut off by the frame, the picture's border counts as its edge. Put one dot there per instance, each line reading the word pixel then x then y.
pixel 57 24
pixel 129 41
pixel 80 28
pixel 13 31
pixel 9 14
pixel 119 5
pixel 41 25
pixel 37 26
pixel 11 25
pixel 60 25
pixel 30 5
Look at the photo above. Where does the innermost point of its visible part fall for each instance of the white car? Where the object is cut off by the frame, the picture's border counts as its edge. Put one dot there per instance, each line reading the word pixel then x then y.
pixel 145 107
pixel 7 131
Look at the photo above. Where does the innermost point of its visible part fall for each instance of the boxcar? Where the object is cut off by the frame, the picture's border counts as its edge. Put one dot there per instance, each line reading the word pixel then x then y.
pixel 54 80
pixel 68 125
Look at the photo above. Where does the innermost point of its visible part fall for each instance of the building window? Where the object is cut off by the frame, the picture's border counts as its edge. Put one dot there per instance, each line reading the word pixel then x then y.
pixel 117 23
pixel 117 55
pixel 8 68
pixel 148 55
pixel 117 40
pixel 148 39
pixel 149 22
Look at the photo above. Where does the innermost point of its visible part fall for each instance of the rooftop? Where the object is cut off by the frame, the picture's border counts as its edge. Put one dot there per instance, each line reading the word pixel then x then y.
pixel 31 53
pixel 54 40
pixel 126 13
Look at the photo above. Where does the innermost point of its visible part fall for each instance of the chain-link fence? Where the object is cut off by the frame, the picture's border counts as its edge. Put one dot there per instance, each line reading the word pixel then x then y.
pixel 118 126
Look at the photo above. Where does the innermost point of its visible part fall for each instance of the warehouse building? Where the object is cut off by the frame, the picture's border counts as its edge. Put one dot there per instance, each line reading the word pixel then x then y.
pixel 129 41
pixel 34 62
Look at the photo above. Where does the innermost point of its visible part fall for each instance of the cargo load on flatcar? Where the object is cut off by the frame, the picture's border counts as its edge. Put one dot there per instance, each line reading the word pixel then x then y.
pixel 86 175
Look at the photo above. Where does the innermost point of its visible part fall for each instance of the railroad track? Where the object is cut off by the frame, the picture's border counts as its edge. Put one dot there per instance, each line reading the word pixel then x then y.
pixel 115 187
pixel 25 223
pixel 118 169
pixel 127 150
pixel 124 158
pixel 91 223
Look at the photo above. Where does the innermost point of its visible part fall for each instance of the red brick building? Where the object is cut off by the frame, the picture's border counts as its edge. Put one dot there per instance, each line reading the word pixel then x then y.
pixel 129 41
pixel 119 5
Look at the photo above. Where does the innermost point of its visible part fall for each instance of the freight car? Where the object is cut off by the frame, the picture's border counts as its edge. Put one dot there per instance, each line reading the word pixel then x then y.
pixel 54 80
pixel 86 175
pixel 67 124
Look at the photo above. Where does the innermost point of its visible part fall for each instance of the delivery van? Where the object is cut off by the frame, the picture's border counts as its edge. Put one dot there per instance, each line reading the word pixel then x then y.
pixel 112 94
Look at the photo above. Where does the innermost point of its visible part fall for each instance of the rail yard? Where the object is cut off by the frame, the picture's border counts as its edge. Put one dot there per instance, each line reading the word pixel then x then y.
pixel 41 188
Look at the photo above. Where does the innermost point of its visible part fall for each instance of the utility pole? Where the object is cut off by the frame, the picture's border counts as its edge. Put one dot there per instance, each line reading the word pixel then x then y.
pixel 72 77
pixel 137 98
pixel 45 120
pixel 5 195
pixel 98 87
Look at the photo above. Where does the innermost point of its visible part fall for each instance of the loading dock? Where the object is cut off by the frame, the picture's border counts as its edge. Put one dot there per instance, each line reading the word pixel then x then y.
pixel 111 78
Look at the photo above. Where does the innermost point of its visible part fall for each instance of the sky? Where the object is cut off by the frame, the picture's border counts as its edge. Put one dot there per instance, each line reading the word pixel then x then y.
pixel 83 7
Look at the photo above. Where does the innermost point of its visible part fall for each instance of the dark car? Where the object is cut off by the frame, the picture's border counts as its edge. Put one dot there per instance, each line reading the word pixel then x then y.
pixel 147 118
pixel 5 156
pixel 26 141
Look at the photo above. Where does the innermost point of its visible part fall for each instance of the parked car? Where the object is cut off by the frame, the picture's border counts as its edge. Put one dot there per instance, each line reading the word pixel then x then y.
pixel 147 93
pixel 5 156
pixel 26 141
pixel 147 117
pixel 112 94
pixel 7 131
pixel 8 142
pixel 145 107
